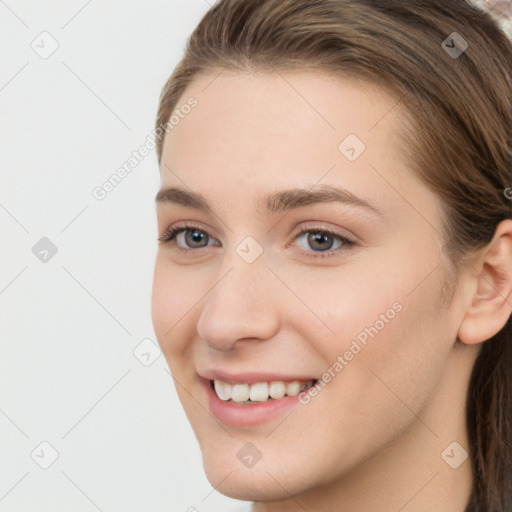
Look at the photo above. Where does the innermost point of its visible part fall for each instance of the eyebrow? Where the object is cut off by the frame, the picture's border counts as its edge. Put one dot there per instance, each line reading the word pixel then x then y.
pixel 278 202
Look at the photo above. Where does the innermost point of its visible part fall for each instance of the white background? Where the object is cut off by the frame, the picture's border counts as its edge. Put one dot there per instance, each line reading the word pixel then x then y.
pixel 69 326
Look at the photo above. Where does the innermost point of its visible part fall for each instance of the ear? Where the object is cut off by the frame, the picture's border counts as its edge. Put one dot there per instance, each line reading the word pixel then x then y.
pixel 491 284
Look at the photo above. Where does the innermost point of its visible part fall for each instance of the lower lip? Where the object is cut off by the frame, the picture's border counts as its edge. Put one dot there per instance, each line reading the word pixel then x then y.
pixel 246 415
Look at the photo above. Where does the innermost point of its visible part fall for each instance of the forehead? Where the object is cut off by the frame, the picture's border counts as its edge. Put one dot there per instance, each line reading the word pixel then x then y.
pixel 251 134
pixel 288 100
pixel 263 117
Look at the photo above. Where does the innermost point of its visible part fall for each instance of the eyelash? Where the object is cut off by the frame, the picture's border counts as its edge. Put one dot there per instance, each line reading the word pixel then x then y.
pixel 169 237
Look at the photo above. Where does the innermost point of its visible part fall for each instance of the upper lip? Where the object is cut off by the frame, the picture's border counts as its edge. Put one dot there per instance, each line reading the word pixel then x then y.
pixel 250 377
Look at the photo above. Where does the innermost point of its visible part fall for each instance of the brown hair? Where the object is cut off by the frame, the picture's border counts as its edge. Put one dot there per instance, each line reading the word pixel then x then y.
pixel 460 110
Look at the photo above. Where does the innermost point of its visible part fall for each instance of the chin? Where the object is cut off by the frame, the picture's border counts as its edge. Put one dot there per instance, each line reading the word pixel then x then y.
pixel 245 484
pixel 272 478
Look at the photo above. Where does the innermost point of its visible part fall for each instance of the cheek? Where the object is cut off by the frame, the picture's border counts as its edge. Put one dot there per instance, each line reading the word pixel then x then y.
pixel 401 361
pixel 352 302
pixel 364 299
pixel 176 290
pixel 387 330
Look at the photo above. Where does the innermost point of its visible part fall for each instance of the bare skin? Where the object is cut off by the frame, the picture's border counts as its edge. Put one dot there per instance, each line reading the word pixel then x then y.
pixel 373 437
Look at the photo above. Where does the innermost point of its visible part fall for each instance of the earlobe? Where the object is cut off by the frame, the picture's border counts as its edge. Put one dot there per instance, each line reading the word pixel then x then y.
pixel 491 303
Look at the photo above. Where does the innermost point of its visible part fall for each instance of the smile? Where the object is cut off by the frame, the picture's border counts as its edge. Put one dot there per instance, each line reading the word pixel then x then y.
pixel 250 399
pixel 258 392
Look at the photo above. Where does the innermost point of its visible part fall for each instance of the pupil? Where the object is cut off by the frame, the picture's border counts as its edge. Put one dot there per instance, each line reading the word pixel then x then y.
pixel 319 240
pixel 195 237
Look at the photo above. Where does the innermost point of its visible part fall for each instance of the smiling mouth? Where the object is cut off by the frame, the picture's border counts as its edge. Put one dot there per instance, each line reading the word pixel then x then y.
pixel 258 392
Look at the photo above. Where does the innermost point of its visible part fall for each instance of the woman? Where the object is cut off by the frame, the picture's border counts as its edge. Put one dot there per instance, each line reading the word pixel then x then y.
pixel 333 286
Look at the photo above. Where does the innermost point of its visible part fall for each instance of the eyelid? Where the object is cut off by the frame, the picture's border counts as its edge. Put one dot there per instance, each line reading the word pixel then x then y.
pixel 184 225
pixel 313 226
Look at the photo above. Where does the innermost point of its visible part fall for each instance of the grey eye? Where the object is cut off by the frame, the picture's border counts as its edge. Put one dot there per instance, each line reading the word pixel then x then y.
pixel 319 241
pixel 194 238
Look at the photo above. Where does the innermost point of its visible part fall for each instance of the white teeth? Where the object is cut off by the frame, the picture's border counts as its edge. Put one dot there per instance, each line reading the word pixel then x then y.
pixel 277 389
pixel 223 389
pixel 259 391
pixel 240 392
pixel 293 388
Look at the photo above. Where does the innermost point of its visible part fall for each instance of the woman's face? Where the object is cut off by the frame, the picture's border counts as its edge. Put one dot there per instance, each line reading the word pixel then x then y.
pixel 306 251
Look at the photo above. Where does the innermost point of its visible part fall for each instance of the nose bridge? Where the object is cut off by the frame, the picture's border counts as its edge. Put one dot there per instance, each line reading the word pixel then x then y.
pixel 240 304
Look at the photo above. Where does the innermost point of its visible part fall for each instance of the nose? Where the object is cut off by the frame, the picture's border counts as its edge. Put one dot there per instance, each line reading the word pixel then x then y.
pixel 242 305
